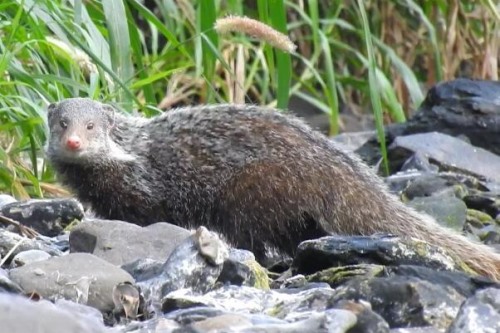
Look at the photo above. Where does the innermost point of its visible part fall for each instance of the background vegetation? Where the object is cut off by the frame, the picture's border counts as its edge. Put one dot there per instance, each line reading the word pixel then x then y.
pixel 156 54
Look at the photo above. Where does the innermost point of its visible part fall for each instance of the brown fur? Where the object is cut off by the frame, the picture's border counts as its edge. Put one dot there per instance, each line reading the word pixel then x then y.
pixel 255 175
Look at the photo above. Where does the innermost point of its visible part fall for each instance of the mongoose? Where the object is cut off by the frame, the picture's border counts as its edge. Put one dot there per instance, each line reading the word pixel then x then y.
pixel 252 173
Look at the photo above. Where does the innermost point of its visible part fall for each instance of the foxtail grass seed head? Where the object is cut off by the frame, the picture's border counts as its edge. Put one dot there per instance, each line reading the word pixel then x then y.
pixel 256 29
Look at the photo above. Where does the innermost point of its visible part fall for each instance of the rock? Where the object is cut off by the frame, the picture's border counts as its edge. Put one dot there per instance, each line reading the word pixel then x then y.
pixel 448 211
pixel 405 302
pixel 20 315
pixel 6 284
pixel 332 251
pixel 351 141
pixel 425 329
pixel 419 162
pixel 484 202
pixel 367 320
pixel 461 107
pixel 186 267
pixel 426 185
pixel 447 152
pixel 480 313
pixel 464 284
pixel 27 257
pixel 144 269
pixel 79 277
pixel 121 243
pixel 9 240
pixel 6 199
pixel 336 276
pixel 48 217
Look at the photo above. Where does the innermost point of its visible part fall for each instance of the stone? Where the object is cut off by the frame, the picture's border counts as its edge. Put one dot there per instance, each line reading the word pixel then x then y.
pixel 331 251
pixel 79 277
pixel 6 199
pixel 404 301
pixel 367 320
pixel 447 152
pixel 6 284
pixel 20 315
pixel 480 313
pixel 27 257
pixel 10 240
pixel 49 217
pixel 121 243
pixel 448 211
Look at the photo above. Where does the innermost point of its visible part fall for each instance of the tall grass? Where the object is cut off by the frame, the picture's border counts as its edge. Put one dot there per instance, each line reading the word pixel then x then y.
pixel 168 54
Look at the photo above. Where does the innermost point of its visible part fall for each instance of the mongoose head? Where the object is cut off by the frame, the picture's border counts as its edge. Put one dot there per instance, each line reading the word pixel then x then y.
pixel 79 129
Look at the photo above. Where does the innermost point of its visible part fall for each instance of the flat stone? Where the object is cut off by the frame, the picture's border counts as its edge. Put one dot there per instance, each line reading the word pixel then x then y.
pixel 448 152
pixel 122 243
pixel 80 277
pixel 20 315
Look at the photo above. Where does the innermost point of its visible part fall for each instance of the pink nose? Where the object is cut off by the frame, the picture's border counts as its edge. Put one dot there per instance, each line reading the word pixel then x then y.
pixel 73 143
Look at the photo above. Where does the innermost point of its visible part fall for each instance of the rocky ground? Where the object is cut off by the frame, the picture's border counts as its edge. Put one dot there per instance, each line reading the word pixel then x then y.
pixel 111 276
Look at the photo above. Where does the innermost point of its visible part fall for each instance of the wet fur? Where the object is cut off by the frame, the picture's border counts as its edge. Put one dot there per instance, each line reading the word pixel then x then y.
pixel 251 173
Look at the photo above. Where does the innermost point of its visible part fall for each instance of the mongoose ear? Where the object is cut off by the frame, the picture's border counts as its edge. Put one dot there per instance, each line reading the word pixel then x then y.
pixel 110 112
pixel 50 111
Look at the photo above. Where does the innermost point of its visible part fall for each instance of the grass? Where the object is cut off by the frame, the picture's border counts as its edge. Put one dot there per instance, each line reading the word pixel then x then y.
pixel 155 58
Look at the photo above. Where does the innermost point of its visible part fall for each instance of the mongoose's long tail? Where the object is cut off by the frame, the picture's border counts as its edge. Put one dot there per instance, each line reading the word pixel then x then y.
pixel 481 258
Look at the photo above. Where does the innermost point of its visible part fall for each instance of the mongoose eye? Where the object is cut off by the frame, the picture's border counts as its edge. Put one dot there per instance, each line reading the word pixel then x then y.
pixel 63 124
pixel 90 126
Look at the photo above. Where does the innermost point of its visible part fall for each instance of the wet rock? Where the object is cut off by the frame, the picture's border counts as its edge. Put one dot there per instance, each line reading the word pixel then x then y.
pixel 6 199
pixel 121 243
pixel 48 217
pixel 79 277
pixel 336 276
pixel 478 219
pixel 484 202
pixel 10 240
pixel 447 152
pixel 186 267
pixel 20 315
pixel 448 211
pixel 419 162
pixel 332 251
pixel 406 302
pixel 480 313
pixel 27 257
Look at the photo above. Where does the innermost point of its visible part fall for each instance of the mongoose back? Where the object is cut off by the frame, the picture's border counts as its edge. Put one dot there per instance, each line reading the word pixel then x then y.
pixel 251 173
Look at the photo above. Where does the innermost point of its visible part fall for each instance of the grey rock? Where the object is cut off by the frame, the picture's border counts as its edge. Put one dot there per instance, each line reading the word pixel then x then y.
pixel 185 268
pixel 318 254
pixel 20 315
pixel 405 302
pixel 425 329
pixel 479 314
pixel 449 211
pixel 419 162
pixel 121 243
pixel 351 141
pixel 448 152
pixel 79 277
pixel 27 257
pixel 6 284
pixel 144 269
pixel 9 240
pixel 49 217
pixel 6 199
pixel 367 320
pixel 426 185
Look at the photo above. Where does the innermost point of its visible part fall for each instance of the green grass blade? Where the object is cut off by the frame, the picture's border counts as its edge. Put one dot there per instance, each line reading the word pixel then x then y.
pixel 119 42
pixel 374 84
pixel 283 60
pixel 206 21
